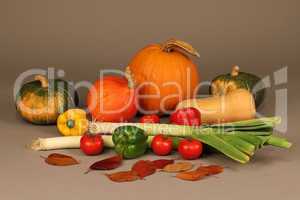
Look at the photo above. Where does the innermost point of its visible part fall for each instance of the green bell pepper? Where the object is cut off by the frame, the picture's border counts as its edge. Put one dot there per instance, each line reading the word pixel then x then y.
pixel 130 141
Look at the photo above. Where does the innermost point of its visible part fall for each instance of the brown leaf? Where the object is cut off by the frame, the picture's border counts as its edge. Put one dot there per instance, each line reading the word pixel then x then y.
pixel 192 175
pixel 211 169
pixel 161 163
pixel 200 172
pixel 143 168
pixel 123 176
pixel 60 160
pixel 106 164
pixel 178 167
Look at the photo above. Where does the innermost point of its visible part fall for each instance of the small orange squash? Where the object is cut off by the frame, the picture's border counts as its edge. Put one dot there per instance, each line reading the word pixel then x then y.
pixel 112 99
pixel 164 75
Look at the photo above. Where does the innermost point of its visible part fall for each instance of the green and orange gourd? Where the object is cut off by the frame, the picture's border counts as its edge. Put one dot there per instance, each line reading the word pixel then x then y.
pixel 42 100
pixel 227 83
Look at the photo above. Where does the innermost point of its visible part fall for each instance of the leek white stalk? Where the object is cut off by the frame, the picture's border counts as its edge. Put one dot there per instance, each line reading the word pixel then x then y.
pixel 68 142
pixel 64 142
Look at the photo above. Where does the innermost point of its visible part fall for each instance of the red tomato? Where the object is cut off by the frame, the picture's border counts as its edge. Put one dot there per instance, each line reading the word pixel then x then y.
pixel 150 119
pixel 190 149
pixel 186 116
pixel 91 144
pixel 161 145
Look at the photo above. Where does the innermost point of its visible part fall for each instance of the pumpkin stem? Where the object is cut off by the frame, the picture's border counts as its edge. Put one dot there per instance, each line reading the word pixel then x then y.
pixel 235 70
pixel 173 44
pixel 43 79
pixel 129 77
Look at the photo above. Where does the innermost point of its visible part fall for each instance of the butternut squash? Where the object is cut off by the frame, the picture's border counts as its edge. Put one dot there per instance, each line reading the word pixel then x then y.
pixel 235 106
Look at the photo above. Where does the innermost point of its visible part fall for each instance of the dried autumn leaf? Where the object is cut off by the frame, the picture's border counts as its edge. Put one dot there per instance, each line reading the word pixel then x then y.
pixel 106 164
pixel 123 176
pixel 200 172
pixel 161 163
pixel 143 168
pixel 211 169
pixel 178 167
pixel 192 175
pixel 58 159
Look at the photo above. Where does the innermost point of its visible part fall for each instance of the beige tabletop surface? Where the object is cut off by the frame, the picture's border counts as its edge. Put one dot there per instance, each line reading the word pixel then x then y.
pixel 82 37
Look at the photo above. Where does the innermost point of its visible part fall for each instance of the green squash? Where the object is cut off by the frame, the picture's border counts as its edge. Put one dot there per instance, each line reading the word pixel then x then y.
pixel 226 83
pixel 42 100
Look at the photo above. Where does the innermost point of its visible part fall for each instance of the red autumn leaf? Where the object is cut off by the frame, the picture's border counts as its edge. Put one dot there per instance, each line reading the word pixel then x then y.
pixel 194 175
pixel 106 164
pixel 161 163
pixel 143 168
pixel 123 176
pixel 60 160
pixel 200 173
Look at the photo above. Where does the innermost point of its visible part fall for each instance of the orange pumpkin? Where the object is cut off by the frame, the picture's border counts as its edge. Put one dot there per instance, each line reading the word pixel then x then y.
pixel 112 99
pixel 165 74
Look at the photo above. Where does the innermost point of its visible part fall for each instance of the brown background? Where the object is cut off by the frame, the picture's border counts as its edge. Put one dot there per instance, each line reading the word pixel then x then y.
pixel 82 37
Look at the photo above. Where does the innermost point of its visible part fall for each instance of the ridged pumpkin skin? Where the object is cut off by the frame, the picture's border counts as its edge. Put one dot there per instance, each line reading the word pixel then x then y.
pixel 36 105
pixel 164 72
pixel 112 100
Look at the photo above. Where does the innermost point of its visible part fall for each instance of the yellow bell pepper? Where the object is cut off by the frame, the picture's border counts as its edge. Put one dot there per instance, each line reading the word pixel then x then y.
pixel 73 122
